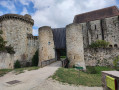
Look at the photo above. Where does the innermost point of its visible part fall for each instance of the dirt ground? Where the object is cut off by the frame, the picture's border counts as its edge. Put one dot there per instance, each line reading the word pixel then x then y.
pixel 38 80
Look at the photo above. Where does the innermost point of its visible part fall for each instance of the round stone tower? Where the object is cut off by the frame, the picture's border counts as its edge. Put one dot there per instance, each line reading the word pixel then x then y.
pixel 15 29
pixel 46 46
pixel 74 44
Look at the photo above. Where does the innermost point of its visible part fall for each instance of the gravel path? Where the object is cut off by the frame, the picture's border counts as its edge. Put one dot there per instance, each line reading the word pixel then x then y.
pixel 37 80
pixel 55 85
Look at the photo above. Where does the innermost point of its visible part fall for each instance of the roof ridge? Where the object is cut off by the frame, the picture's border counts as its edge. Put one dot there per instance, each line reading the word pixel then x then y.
pixel 97 14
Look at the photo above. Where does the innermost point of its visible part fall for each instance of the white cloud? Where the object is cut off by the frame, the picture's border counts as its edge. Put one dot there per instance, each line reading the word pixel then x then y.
pixel 25 11
pixel 1 13
pixel 58 13
pixel 40 4
pixel 9 5
pixel 24 2
pixel 35 32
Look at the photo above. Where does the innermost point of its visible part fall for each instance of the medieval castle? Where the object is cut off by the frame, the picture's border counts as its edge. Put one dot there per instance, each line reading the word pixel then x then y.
pixel 75 38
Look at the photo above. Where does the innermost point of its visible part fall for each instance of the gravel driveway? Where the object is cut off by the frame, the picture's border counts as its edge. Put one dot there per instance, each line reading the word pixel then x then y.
pixel 37 80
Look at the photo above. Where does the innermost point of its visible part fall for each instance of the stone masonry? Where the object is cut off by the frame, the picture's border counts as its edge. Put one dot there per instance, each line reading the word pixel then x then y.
pixel 100 56
pixel 6 61
pixel 46 45
pixel 74 43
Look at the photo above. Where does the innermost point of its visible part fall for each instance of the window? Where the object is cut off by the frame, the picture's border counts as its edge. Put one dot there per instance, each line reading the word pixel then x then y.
pixel 48 43
pixel 95 26
pixel 110 46
pixel 115 45
pixel 97 36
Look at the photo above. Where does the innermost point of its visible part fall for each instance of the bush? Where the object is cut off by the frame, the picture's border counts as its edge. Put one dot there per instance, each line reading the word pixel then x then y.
pixel 116 63
pixel 91 70
pixel 17 64
pixel 2 42
pixel 3 46
pixel 10 49
pixel 99 43
pixel 35 59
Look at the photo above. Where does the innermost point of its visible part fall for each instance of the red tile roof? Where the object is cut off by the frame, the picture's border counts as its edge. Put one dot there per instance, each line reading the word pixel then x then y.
pixel 97 14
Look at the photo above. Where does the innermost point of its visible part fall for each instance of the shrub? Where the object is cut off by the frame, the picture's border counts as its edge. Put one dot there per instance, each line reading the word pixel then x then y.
pixel 2 42
pixel 35 59
pixel 99 43
pixel 91 70
pixel 10 49
pixel 116 63
pixel 3 46
pixel 17 64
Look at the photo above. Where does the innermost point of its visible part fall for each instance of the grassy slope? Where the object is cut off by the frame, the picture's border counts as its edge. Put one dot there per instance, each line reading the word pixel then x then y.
pixel 17 71
pixel 71 76
pixel 4 71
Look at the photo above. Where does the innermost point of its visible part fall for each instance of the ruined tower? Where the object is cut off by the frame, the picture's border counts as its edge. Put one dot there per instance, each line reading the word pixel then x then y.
pixel 15 29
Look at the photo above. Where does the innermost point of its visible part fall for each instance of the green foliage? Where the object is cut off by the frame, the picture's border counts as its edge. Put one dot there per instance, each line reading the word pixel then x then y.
pixel 35 59
pixel 17 64
pixel 17 70
pixel 2 42
pixel 91 70
pixel 3 46
pixel 71 76
pixel 21 70
pixel 4 71
pixel 10 49
pixel 62 56
pixel 116 63
pixel 99 43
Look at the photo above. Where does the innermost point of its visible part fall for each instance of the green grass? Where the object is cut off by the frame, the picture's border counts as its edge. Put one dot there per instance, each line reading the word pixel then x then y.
pixel 21 70
pixel 71 76
pixel 4 71
pixel 62 56
pixel 17 71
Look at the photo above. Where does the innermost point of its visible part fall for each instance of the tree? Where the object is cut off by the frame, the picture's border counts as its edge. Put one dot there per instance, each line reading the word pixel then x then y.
pixel 35 59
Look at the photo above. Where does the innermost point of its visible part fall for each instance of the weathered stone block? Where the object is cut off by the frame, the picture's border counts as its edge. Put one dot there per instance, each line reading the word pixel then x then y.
pixel 6 61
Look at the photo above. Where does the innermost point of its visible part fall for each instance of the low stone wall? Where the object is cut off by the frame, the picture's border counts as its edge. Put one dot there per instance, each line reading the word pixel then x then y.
pixel 6 61
pixel 100 56
pixel 47 62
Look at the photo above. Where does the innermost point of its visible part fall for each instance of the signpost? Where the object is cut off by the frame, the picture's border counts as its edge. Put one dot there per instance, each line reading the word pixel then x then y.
pixel 79 68
pixel 111 82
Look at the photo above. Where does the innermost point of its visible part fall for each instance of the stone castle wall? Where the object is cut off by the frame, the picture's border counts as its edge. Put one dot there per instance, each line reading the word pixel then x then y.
pixel 106 29
pixel 74 43
pixel 46 46
pixel 6 61
pixel 100 56
pixel 32 46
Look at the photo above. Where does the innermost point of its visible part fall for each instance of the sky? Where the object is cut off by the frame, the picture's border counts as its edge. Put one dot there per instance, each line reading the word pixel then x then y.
pixel 54 13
